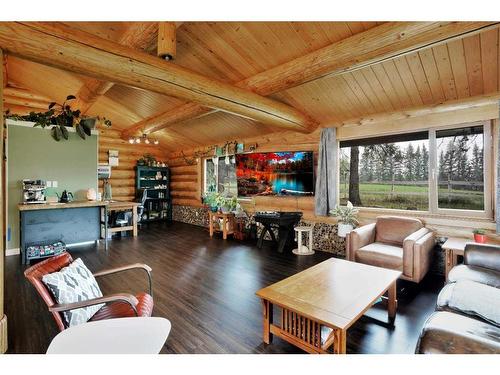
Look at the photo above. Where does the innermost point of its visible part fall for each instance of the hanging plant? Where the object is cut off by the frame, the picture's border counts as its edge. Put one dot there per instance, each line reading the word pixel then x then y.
pixel 61 117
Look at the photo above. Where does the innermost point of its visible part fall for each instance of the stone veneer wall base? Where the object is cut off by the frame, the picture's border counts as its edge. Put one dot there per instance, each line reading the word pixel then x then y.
pixel 324 235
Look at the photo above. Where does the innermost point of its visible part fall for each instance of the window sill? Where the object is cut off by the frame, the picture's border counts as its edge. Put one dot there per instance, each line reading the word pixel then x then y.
pixel 426 214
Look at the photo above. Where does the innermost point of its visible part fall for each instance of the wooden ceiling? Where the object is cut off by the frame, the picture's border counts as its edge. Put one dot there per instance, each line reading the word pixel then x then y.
pixel 234 51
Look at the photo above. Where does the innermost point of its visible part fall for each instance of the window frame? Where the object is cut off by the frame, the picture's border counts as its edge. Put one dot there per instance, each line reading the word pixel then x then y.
pixel 487 180
pixel 433 208
pixel 215 160
pixel 216 172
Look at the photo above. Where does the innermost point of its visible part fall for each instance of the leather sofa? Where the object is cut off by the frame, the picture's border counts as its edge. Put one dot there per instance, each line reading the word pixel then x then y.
pixel 398 243
pixel 467 313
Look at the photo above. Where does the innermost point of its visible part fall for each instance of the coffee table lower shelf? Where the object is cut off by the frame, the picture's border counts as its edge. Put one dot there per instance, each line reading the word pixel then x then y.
pixel 312 336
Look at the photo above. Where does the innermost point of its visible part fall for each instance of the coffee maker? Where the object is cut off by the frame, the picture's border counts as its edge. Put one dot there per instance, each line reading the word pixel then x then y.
pixel 34 191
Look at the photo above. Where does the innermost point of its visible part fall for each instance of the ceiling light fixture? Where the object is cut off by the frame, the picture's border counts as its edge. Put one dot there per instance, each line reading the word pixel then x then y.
pixel 143 138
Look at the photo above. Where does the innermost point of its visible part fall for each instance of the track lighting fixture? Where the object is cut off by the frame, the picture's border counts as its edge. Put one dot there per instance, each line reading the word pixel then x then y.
pixel 144 138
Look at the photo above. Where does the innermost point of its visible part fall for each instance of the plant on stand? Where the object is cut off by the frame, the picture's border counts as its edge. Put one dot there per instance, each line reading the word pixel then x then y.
pixel 210 200
pixel 347 218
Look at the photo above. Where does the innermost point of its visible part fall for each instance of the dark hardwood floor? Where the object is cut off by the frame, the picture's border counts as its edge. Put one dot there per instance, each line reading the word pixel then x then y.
pixel 206 288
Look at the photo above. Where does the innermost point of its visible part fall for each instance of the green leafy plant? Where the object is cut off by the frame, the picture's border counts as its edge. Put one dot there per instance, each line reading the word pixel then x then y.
pixel 232 203
pixel 149 159
pixel 479 231
pixel 211 200
pixel 219 201
pixel 347 214
pixel 59 118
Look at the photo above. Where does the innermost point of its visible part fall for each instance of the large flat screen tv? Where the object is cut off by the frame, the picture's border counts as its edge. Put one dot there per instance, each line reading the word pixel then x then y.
pixel 275 173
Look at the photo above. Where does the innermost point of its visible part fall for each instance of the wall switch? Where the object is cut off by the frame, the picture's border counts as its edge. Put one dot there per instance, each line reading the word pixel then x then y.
pixel 54 184
pixel 48 184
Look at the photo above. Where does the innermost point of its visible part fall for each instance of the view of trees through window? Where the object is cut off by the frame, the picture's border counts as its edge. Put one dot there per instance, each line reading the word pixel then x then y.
pixel 393 172
pixel 460 163
pixel 386 175
pixel 223 178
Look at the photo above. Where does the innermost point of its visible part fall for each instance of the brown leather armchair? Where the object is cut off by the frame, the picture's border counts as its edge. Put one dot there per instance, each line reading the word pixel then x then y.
pixel 116 305
pixel 397 243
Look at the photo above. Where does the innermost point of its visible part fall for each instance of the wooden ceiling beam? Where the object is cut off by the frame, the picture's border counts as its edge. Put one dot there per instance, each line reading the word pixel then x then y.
pixel 370 47
pixel 5 78
pixel 63 47
pixel 21 93
pixel 25 102
pixel 138 36
pixel 167 42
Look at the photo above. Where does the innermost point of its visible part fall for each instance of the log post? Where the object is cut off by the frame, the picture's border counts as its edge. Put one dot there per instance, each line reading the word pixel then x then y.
pixel 166 40
pixel 3 317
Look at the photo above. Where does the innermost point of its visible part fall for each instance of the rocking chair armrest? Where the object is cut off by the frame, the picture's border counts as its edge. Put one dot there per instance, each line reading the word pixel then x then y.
pixel 119 297
pixel 128 267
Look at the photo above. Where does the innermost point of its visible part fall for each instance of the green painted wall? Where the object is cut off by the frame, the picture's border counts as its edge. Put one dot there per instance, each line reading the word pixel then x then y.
pixel 32 153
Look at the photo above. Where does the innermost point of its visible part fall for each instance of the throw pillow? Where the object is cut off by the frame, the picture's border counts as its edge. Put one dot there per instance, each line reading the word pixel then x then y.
pixel 74 283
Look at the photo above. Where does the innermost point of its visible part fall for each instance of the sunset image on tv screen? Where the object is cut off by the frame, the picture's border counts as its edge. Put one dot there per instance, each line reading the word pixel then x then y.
pixel 275 173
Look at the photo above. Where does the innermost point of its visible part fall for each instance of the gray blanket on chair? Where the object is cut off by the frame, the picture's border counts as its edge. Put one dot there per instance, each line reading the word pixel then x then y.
pixel 474 299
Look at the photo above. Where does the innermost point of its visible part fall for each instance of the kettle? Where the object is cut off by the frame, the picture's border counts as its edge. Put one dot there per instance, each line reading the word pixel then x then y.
pixel 65 197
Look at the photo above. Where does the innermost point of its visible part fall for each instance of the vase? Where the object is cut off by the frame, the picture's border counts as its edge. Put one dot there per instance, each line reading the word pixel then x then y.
pixel 344 229
pixel 91 194
pixel 479 238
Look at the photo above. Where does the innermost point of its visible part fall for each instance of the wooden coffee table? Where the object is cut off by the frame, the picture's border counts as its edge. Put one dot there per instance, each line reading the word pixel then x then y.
pixel 319 304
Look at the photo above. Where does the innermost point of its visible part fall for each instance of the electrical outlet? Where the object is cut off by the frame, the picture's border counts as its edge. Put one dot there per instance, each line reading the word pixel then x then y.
pixel 48 184
pixel 54 184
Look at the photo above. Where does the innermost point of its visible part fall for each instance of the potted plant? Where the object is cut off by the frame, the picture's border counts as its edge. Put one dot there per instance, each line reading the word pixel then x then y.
pixel 221 202
pixel 150 160
pixel 210 200
pixel 479 235
pixel 60 117
pixel 346 218
pixel 232 204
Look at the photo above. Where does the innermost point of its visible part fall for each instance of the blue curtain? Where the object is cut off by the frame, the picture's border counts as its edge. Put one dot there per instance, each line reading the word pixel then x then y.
pixel 326 184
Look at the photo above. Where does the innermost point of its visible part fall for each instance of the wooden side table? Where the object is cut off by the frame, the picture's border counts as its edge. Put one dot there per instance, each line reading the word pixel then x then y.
pixel 453 248
pixel 125 206
pixel 228 223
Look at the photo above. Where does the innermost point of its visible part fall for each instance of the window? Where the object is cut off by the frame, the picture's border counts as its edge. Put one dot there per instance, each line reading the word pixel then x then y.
pixel 460 168
pixel 220 176
pixel 440 170
pixel 386 172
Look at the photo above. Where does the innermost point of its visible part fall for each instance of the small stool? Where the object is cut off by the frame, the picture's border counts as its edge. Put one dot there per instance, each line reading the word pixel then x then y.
pixel 302 249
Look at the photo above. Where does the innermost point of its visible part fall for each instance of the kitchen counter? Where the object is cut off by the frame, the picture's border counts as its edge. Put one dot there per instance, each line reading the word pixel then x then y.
pixel 51 206
pixel 71 223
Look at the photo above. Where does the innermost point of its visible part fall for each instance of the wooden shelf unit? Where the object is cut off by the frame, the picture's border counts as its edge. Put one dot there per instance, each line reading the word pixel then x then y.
pixel 153 191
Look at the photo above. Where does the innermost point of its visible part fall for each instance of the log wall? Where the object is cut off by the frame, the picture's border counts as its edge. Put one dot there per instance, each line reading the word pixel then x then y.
pixel 123 176
pixel 188 179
